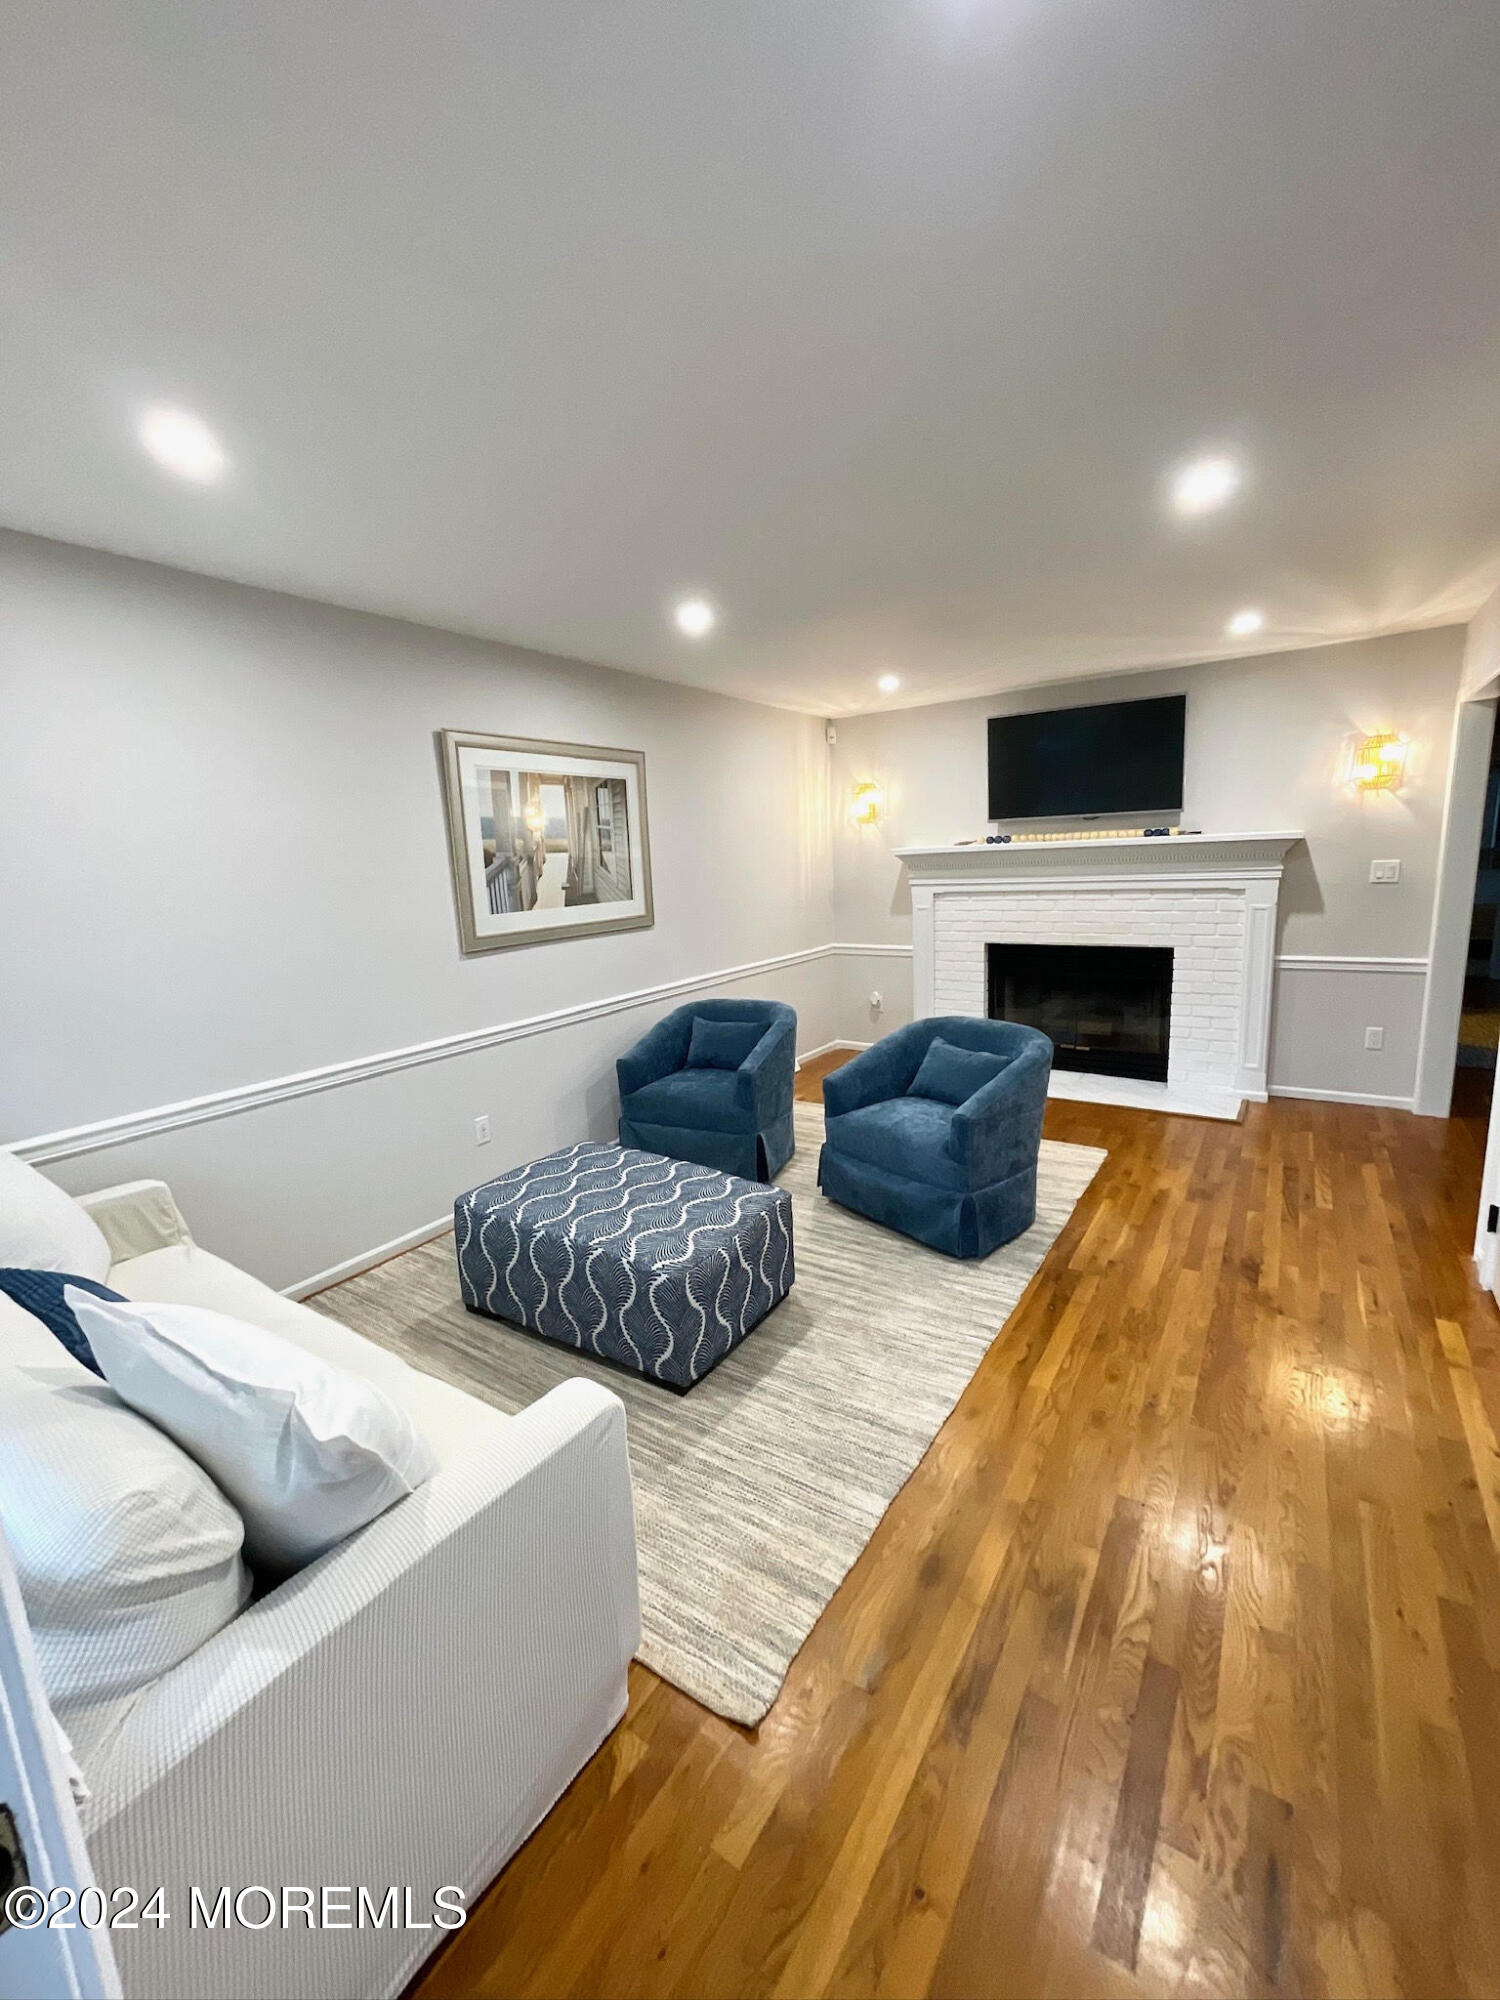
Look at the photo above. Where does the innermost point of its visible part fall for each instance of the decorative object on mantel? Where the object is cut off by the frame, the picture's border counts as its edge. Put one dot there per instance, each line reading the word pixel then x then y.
pixel 1087 833
pixel 1129 842
pixel 546 840
pixel 1378 763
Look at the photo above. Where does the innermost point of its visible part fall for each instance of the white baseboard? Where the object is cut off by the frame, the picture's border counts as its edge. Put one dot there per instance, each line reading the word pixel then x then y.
pixel 1344 1097
pixel 425 1232
pixel 367 1259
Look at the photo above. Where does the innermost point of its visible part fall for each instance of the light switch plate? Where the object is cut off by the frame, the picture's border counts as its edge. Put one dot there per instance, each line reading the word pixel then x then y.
pixel 1374 1038
pixel 1385 871
pixel 482 1131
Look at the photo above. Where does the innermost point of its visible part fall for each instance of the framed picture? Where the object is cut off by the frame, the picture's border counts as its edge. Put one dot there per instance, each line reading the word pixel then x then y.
pixel 547 840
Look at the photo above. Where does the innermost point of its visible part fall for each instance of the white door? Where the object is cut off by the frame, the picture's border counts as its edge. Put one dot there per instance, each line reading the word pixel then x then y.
pixel 1487 1235
pixel 41 1846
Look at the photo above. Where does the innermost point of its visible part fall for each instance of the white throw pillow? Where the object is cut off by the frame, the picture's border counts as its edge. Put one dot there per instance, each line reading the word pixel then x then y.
pixel 128 1555
pixel 307 1453
pixel 43 1229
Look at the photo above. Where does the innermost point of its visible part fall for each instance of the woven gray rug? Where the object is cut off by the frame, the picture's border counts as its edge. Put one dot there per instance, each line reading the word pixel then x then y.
pixel 756 1491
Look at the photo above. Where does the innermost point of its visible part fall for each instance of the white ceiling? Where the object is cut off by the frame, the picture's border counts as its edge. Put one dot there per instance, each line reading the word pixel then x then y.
pixel 878 324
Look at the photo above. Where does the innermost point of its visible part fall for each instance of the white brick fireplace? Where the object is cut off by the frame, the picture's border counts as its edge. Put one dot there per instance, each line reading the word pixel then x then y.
pixel 1210 898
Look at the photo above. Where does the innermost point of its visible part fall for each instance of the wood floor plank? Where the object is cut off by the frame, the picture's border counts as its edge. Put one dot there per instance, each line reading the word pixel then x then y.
pixel 926 1860
pixel 1174 1668
pixel 1132 1846
pixel 986 1945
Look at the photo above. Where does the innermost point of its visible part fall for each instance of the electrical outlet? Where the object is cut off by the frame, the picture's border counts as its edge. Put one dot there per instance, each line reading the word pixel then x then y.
pixel 481 1131
pixel 877 1001
pixel 1385 871
pixel 1374 1038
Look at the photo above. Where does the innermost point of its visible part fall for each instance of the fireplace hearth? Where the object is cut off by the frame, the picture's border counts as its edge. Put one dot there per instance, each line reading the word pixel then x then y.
pixel 1107 1008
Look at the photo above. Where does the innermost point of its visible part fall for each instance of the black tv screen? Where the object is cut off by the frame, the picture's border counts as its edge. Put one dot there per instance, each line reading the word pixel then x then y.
pixel 1121 757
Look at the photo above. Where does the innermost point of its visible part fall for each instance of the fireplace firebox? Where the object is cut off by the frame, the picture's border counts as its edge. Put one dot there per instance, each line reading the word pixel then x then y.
pixel 1107 1008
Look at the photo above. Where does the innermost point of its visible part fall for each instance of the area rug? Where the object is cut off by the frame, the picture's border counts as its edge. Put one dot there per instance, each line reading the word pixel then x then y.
pixel 756 1491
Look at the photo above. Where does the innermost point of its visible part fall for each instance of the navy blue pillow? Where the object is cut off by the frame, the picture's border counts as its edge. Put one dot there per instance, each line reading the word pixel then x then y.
pixel 952 1075
pixel 721 1044
pixel 41 1294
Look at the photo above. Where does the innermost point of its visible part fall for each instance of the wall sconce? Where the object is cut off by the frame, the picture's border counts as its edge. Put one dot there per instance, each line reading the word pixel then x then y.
pixel 867 805
pixel 1378 763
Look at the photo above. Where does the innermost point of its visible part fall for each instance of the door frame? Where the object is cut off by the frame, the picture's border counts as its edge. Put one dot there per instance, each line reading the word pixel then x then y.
pixel 44 1963
pixel 1453 906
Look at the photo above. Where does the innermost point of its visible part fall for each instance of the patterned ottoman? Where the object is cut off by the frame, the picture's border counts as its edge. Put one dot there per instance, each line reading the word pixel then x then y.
pixel 659 1264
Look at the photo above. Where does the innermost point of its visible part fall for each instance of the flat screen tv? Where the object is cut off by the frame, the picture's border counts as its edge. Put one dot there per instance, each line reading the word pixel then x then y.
pixel 1073 763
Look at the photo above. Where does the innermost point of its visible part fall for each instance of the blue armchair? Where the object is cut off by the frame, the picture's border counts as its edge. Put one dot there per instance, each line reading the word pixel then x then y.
pixel 960 1176
pixel 737 1119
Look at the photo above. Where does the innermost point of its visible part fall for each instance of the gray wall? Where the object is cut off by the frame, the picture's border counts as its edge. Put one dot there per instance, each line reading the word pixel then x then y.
pixel 224 863
pixel 223 866
pixel 1266 742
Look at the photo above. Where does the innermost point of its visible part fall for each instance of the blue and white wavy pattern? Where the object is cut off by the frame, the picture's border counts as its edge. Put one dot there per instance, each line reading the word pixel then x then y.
pixel 661 1264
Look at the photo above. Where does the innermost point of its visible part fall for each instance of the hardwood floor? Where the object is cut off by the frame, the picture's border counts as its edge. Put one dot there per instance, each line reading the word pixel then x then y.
pixel 1174 1668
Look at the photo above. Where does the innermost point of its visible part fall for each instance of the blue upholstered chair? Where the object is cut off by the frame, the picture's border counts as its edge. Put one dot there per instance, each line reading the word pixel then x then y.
pixel 713 1083
pixel 952 1163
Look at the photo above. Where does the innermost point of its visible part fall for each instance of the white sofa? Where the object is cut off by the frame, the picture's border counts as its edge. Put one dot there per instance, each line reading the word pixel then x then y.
pixel 399 1714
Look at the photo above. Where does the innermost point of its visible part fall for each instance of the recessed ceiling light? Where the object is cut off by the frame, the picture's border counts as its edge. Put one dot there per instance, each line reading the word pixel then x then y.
pixel 1243 623
pixel 184 444
pixel 695 616
pixel 888 683
pixel 1204 484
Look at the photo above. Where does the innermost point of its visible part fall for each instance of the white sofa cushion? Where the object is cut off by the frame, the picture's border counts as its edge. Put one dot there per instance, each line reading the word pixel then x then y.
pixel 452 1422
pixel 43 1229
pixel 127 1553
pixel 307 1452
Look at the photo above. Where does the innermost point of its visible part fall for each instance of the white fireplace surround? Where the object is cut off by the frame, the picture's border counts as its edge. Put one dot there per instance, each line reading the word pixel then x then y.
pixel 1210 897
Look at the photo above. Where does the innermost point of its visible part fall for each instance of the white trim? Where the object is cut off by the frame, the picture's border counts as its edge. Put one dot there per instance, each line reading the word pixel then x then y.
pixel 120 1131
pixel 1311 962
pixel 1059 876
pixel 1257 981
pixel 367 1259
pixel 104 1133
pixel 1159 853
pixel 1291 961
pixel 1452 905
pixel 924 949
pixel 1342 1096
pixel 1486 1243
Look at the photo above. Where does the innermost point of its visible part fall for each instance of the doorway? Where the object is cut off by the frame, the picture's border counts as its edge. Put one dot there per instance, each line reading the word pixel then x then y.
pixel 553 880
pixel 1479 1020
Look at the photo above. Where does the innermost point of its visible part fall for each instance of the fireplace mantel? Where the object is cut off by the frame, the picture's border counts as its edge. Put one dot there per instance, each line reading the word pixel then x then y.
pixel 1107 855
pixel 1212 897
